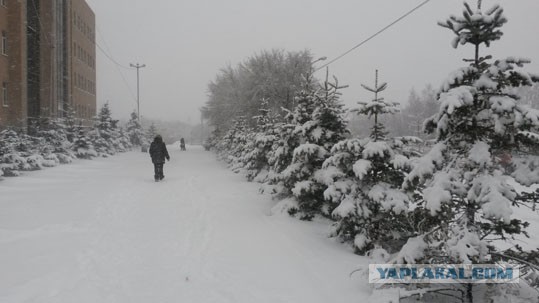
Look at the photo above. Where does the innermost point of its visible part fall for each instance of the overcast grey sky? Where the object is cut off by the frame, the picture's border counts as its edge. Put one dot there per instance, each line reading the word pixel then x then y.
pixel 185 43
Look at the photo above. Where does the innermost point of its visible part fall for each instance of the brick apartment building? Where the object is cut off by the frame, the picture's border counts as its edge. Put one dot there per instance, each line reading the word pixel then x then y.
pixel 13 75
pixel 49 61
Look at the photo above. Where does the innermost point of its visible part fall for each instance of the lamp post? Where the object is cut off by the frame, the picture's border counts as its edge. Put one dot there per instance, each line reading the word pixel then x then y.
pixel 312 71
pixel 138 67
pixel 309 76
pixel 319 59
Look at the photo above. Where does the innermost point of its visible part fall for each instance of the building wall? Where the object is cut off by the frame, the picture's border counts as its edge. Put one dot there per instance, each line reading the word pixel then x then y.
pixel 47 59
pixel 81 58
pixel 13 71
pixel 4 60
pixel 47 45
pixel 34 60
pixel 50 65
pixel 53 56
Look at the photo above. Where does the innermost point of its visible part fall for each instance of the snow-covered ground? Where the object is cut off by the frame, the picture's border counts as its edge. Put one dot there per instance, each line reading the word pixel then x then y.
pixel 104 231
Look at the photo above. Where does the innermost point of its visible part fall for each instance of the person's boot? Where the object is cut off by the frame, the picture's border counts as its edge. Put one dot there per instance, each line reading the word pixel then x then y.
pixel 156 178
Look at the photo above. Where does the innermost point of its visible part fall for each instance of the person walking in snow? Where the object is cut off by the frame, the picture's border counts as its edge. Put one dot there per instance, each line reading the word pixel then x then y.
pixel 158 152
pixel 182 144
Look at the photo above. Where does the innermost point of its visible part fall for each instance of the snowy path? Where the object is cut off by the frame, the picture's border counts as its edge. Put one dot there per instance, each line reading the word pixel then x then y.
pixel 104 231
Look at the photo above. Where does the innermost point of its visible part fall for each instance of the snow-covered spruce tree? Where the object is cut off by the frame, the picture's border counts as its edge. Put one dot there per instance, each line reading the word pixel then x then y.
pixel 287 140
pixel 326 127
pixel 11 161
pixel 282 176
pixel 69 124
pixel 78 135
pixel 243 144
pixel 134 130
pixel 105 132
pixel 280 156
pixel 255 161
pixel 57 148
pixel 319 124
pixel 22 152
pixel 122 142
pixel 233 146
pixel 364 178
pixel 467 199
pixel 224 144
pixel 82 143
pixel 214 140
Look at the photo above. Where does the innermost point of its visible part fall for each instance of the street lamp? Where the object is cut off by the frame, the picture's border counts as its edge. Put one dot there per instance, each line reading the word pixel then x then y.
pixel 138 67
pixel 312 70
pixel 319 59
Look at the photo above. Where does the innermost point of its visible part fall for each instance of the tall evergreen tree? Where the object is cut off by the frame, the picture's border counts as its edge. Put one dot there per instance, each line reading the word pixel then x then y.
pixel 83 146
pixel 134 130
pixel 280 156
pixel 466 197
pixel 364 179
pixel 256 159
pixel 57 147
pixel 233 145
pixel 375 108
pixel 282 176
pixel 318 121
pixel 69 122
pixel 325 127
pixel 292 138
pixel 11 144
pixel 105 132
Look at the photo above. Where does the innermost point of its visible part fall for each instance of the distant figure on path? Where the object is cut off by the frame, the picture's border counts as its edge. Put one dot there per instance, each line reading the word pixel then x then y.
pixel 158 152
pixel 182 144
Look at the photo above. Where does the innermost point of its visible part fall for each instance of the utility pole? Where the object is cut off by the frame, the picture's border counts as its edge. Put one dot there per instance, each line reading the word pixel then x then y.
pixel 138 67
pixel 202 131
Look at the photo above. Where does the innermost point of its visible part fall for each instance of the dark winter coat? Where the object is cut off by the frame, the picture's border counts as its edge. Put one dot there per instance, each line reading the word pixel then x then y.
pixel 158 150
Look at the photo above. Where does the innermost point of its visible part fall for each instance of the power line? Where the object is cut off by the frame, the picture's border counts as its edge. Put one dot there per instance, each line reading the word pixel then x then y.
pixel 376 34
pixel 116 64
pixel 108 49
pixel 119 71
pixel 110 57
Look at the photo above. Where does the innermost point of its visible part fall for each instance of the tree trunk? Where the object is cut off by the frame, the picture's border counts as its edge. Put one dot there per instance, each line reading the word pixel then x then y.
pixel 469 293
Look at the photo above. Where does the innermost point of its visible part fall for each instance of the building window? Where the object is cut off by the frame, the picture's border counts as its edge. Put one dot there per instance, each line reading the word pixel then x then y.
pixel 4 94
pixel 4 43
